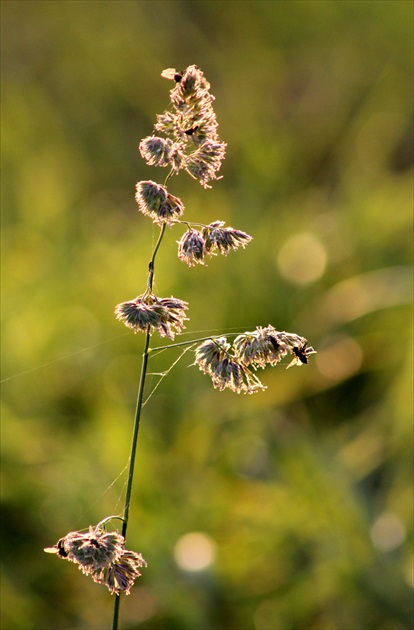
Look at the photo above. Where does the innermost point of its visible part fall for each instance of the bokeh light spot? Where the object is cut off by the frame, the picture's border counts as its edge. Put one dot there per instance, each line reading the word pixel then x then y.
pixel 195 551
pixel 388 532
pixel 341 358
pixel 302 259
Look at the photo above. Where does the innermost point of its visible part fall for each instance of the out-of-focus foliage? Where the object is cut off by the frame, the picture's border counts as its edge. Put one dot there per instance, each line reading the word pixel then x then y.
pixel 290 509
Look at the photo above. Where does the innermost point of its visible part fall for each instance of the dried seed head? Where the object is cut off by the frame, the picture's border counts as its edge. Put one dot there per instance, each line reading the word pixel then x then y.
pixel 172 316
pixel 92 551
pixel 138 315
pixel 204 163
pixel 233 375
pixel 268 346
pixel 167 123
pixel 191 127
pixel 211 353
pixel 156 151
pixel 165 315
pixel 229 365
pixel 192 88
pixel 225 370
pixel 119 576
pixel 191 248
pixel 223 239
pixel 260 347
pixel 103 556
pixel 157 203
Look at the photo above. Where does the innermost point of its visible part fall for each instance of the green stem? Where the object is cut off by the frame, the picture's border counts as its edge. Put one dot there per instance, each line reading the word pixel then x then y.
pixel 188 343
pixel 151 267
pixel 138 410
pixel 134 444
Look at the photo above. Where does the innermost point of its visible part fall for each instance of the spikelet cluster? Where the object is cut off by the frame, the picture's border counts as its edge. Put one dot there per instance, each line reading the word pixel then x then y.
pixel 102 556
pixel 148 312
pixel 194 245
pixel 156 202
pixel 190 126
pixel 230 365
pixel 192 144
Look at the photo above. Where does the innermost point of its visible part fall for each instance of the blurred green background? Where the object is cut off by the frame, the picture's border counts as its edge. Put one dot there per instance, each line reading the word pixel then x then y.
pixel 286 510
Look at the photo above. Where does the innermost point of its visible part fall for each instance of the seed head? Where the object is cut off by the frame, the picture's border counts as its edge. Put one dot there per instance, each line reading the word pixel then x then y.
pixel 119 576
pixel 157 203
pixel 223 239
pixel 165 315
pixel 268 346
pixel 260 347
pixel 226 371
pixel 204 163
pixel 230 365
pixel 191 126
pixel 103 556
pixel 191 248
pixel 193 88
pixel 156 151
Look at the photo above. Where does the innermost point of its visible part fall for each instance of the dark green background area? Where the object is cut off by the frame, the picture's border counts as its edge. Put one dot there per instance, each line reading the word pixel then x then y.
pixel 303 492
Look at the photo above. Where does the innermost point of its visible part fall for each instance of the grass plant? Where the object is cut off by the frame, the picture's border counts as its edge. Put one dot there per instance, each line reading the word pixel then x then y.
pixel 188 142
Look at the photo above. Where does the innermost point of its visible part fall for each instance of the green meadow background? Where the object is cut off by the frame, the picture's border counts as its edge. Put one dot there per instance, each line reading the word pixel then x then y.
pixel 287 510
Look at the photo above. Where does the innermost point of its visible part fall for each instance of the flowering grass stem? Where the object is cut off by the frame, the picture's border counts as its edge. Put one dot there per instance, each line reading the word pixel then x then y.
pixel 193 145
pixel 138 409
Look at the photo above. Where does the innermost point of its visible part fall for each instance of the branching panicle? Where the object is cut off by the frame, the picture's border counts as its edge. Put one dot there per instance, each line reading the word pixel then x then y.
pixel 191 144
pixel 228 364
pixel 190 127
